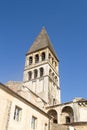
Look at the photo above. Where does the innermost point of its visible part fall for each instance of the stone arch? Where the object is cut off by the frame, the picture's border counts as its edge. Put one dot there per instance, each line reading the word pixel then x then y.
pixel 53 114
pixel 67 115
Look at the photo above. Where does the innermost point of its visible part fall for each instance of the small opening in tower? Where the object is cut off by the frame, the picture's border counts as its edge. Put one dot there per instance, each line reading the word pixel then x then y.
pixel 56 80
pixel 36 58
pixel 50 72
pixel 54 101
pixel 41 72
pixel 43 56
pixel 30 60
pixel 49 56
pixel 29 75
pixel 53 76
pixel 35 73
pixel 55 64
pixel 52 60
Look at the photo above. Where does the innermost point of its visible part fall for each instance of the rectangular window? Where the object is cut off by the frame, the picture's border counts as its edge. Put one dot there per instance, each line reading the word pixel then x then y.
pixel 33 122
pixel 17 113
pixel 45 127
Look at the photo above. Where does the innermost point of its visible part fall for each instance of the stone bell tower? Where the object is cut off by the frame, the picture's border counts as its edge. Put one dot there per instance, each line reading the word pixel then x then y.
pixel 41 74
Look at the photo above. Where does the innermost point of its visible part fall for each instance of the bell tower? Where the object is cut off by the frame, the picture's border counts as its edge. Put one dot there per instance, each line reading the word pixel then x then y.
pixel 41 74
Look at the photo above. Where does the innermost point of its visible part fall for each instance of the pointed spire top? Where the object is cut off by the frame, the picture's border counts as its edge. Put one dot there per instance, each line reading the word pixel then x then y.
pixel 43 30
pixel 42 41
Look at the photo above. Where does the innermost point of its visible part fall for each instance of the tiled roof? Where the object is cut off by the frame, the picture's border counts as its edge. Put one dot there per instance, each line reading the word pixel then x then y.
pixel 42 41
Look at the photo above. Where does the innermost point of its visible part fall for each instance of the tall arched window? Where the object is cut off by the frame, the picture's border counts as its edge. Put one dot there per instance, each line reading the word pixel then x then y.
pixel 56 80
pixel 52 60
pixel 36 58
pixel 50 72
pixel 29 75
pixel 43 56
pixel 53 76
pixel 30 60
pixel 35 73
pixel 49 56
pixel 55 64
pixel 41 72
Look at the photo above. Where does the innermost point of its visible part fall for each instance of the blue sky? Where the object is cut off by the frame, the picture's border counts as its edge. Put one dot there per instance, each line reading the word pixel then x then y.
pixel 66 24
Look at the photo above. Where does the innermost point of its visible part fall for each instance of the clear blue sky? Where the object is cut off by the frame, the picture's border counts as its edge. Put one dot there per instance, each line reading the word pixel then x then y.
pixel 66 24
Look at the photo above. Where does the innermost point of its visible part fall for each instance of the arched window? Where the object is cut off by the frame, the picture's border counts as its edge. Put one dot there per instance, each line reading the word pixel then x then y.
pixel 68 114
pixel 55 64
pixel 43 56
pixel 54 101
pixel 53 76
pixel 52 60
pixel 35 73
pixel 54 115
pixel 49 56
pixel 56 79
pixel 36 58
pixel 41 72
pixel 67 119
pixel 30 60
pixel 50 72
pixel 29 75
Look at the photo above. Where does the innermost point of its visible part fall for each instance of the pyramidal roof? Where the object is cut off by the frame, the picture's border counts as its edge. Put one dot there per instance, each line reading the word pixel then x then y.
pixel 42 41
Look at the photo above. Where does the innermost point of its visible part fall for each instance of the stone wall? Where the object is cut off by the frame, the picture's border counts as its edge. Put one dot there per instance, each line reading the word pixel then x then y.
pixel 9 101
pixel 58 127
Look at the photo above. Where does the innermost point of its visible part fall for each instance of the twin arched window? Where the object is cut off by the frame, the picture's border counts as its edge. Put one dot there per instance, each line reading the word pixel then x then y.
pixel 37 58
pixel 35 73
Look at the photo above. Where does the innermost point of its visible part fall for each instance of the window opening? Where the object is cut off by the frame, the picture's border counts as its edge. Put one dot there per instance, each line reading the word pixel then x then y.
pixel 53 76
pixel 52 60
pixel 33 123
pixel 30 60
pixel 55 121
pixel 41 72
pixel 36 58
pixel 35 73
pixel 50 72
pixel 56 80
pixel 67 119
pixel 43 56
pixel 45 127
pixel 17 113
pixel 54 101
pixel 29 75
pixel 49 56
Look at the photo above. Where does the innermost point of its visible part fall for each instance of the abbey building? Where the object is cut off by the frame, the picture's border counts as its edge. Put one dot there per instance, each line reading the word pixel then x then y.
pixel 35 102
